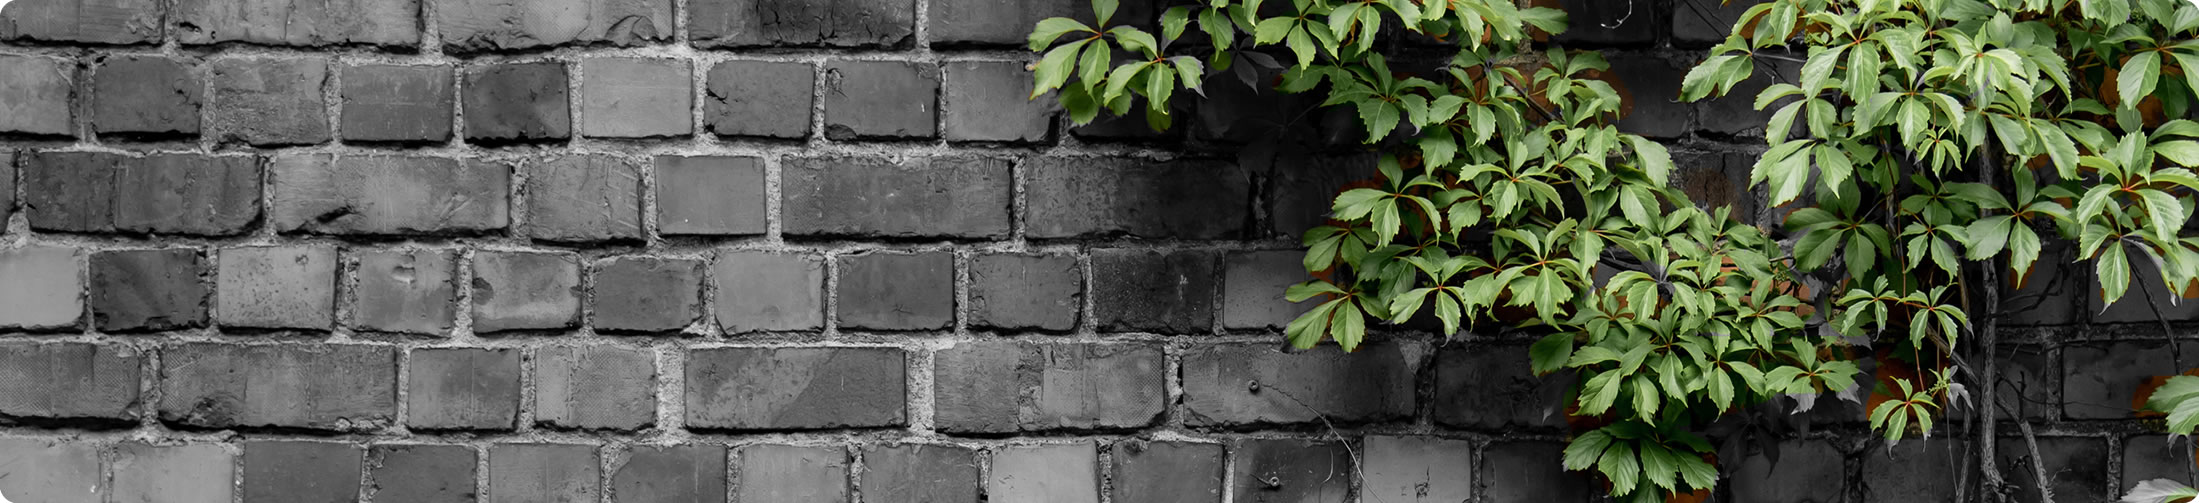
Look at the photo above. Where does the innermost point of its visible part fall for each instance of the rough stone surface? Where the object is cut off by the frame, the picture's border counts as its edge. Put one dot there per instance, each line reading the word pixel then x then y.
pixel 1651 85
pixel 1305 187
pixel 516 102
pixel 1253 285
pixel 502 25
pixel 8 172
pixel 769 291
pixel 35 94
pixel 37 470
pixel 1003 23
pixel 117 22
pixel 636 98
pixel 146 473
pixel 1915 471
pixel 595 388
pixel 991 101
pixel 70 191
pixel 946 197
pixel 814 23
pixel 1716 181
pixel 463 389
pixel 767 99
pixel 881 100
pixel 1153 291
pixel 1004 387
pixel 647 295
pixel 1012 291
pixel 543 473
pixel 1735 113
pixel 795 473
pixel 1291 470
pixel 68 381
pixel 276 287
pixel 1532 471
pixel 1417 470
pixel 338 387
pixel 146 95
pixel 1066 473
pixel 1608 23
pixel 796 388
pixel 921 472
pixel 1071 197
pixel 407 291
pixel 711 196
pixel 2075 466
pixel 148 290
pixel 525 291
pixel 422 473
pixel 582 198
pixel 1707 23
pixel 187 194
pixel 2100 380
pixel 1167 472
pixel 1373 384
pixel 693 473
pixel 269 102
pixel 897 291
pixel 2148 457
pixel 302 472
pixel 389 195
pixel 397 103
pixel 40 288
pixel 1493 388
pixel 304 23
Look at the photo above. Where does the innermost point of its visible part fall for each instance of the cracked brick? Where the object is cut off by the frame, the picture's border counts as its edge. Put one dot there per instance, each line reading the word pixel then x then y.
pixel 595 388
pixel 582 198
pixel 767 99
pixel 311 23
pixel 506 25
pixel 388 195
pixel 881 100
pixel 269 102
pixel 810 23
pixel 397 103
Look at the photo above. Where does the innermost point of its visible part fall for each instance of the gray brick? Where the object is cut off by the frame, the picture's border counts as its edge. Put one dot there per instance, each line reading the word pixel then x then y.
pixel 70 191
pixel 769 291
pixel 1065 473
pixel 422 473
pixel 812 23
pixel 148 290
pixel 474 26
pixel 1005 387
pixel 407 291
pixel 636 98
pixel 1153 291
pixel 2099 381
pixel 1493 388
pixel 1071 197
pixel 8 172
pixel 796 388
pixel 647 295
pixel 269 102
pixel 187 194
pixel 41 288
pixel 1703 24
pixel 1167 472
pixel 389 195
pixel 1025 292
pixel 307 23
pixel 897 291
pixel 710 195
pixel 68 381
pixel 1254 284
pixel 693 473
pixel 760 98
pixel 944 197
pixel 2047 297
pixel 1736 113
pixel 1519 471
pixel 336 387
pixel 525 291
pixel 1417 470
pixel 920 472
pixel 463 389
pixel 595 388
pixel 885 100
pixel 2029 383
pixel 795 473
pixel 991 101
pixel 35 93
pixel 1306 185
pixel 2148 457
pixel 1652 85
pixel 1004 23
pixel 301 472
pixel 146 473
pixel 1254 384
pixel 582 198
pixel 2076 466
pixel 1291 470
pixel 146 95
pixel 92 21
pixel 543 473
pixel 397 103
pixel 1805 471
pixel 276 287
pixel 1609 23
pixel 516 102
pixel 1914 471
pixel 2135 306
pixel 1714 180
pixel 56 471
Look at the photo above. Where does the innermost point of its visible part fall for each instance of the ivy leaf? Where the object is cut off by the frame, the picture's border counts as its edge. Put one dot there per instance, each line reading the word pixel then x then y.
pixel 2113 268
pixel 1092 67
pixel 1819 67
pixel 1619 464
pixel 2138 77
pixel 1655 160
pixel 1549 354
pixel 1307 329
pixel 1104 10
pixel 1053 28
pixel 1349 326
pixel 2165 214
pixel 1659 465
pixel 1078 101
pixel 2159 491
pixel 1173 22
pixel 1301 45
pixel 1191 71
pixel 1584 450
pixel 1053 69
pixel 1714 76
pixel 1380 117
pixel 1272 30
pixel 2181 152
pixel 2176 391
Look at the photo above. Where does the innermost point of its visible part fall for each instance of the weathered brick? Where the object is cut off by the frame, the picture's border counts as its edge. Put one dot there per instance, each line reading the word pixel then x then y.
pixel 1291 470
pixel 1251 384
pixel 1716 180
pixel 1493 388
pixel 516 102
pixel 2148 457
pixel 796 388
pixel 884 100
pixel 56 471
pixel 1521 471
pixel 543 473
pixel 463 389
pixel 2047 297
pixel 337 387
pixel 710 196
pixel 926 197
pixel 306 23
pixel 1305 186
pixel 187 194
pixel 472 26
pixel 146 473
pixel 795 473
pixel 1254 282
pixel 1417 470
pixel 1070 197
pixel 1004 387
pixel 1153 291
pixel 769 291
pixel 389 195
pixel 813 23
pixel 2135 306
pixel 1704 23
pixel 2099 381
pixel 68 381
pixel 2029 383
pixel 302 472
pixel 673 473
pixel 2076 466
pixel 991 101
pixel 148 290
pixel 41 288
pixel 897 291
pixel 421 473
pixel 1003 23
pixel 117 22
pixel 579 198
pixel 276 287
pixel 595 388
pixel 407 291
pixel 1167 472
pixel 1651 85
pixel 1025 292
pixel 647 294
pixel 1609 23
pixel 147 96
pixel 1736 113
pixel 525 291
pixel 759 98
pixel 920 472
pixel 1066 473
pixel 7 186
pixel 35 92
pixel 1914 471
pixel 397 103
pixel 636 98
pixel 269 102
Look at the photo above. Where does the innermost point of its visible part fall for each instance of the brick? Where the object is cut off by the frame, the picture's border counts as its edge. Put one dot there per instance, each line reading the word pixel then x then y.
pixel 41 288
pixel 1522 471
pixel 1651 85
pixel 1153 291
pixel 336 387
pixel 2047 297
pixel 2099 381
pixel 1255 282
pixel 389 195
pixel 595 388
pixel 1705 23
pixel 943 197
pixel 1914 471
pixel 146 473
pixel 148 290
pixel 146 96
pixel 463 389
pixel 187 194
pixel 269 102
pixel 1291 470
pixel 2148 457
pixel 1004 387
pixel 2029 383
pixel 809 23
pixel 68 381
pixel 1736 113
pixel 397 103
pixel 920 472
pixel 407 291
pixel 1305 187
pixel 881 100
pixel 796 388
pixel 897 291
pixel 711 196
pixel 1608 23
pixel 769 291
pixel 118 22
pixel 516 102
pixel 1095 198
pixel 1003 23
pixel 766 99
pixel 672 473
pixel 636 98
pixel 277 287
pixel 421 473
pixel 991 101
pixel 2135 306
pixel 1252 384
pixel 581 198
pixel 543 473
pixel 34 96
pixel 1714 180
pixel 474 26
pixel 7 186
pixel 1067 473
pixel 308 23
pixel 525 291
pixel 1493 388
pixel 303 472
pixel 1417 470
pixel 2076 466
pixel 1167 472
pixel 1025 292
pixel 646 294
pixel 794 473
pixel 55 471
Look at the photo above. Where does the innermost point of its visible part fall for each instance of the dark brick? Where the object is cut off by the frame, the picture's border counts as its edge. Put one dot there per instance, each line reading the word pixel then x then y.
pixel 421 473
pixel 1714 180
pixel 1074 197
pixel 302 472
pixel 672 473
pixel 2099 381
pixel 1254 283
pixel 795 473
pixel 883 100
pixel 148 290
pixel 276 287
pixel 2148 457
pixel 1004 387
pixel 55 471
pixel 146 95
pixel 513 102
pixel 2029 383
pixel 94 21
pixel 1153 291
pixel 769 291
pixel 1065 473
pixel 1417 470
pixel 539 473
pixel 2077 467
pixel 920 472
pixel 2048 296
pixel 595 388
pixel 1493 388
pixel 399 103
pixel 1651 85
pixel 710 195
pixel 525 291
pixel 991 101
pixel 472 26
pixel 1167 472
pixel 269 102
pixel 389 195
pixel 579 198
pixel 760 98
pixel 1519 471
pixel 307 23
pixel 1736 113
pixel 1003 23
pixel 2135 306
pixel 68 381
pixel 1253 384
pixel 1914 471
pixel 1307 185
pixel 926 197
pixel 41 288
pixel 35 92
pixel 1602 22
pixel 407 291
pixel 1025 292
pixel 7 187
pixel 188 194
pixel 338 387
pixel 463 389
pixel 897 291
pixel 636 98
pixel 813 23
pixel 146 473
pixel 1702 24
pixel 1291 470
pixel 646 294
pixel 796 388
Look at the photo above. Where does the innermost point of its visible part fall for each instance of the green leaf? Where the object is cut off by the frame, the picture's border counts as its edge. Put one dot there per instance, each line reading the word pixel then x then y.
pixel 2183 418
pixel 1549 354
pixel 1053 69
pixel 1713 76
pixel 1190 71
pixel 1655 160
pixel 1272 30
pixel 2159 491
pixel 1119 80
pixel 2176 391
pixel 2113 268
pixel 2165 214
pixel 1307 290
pixel 1818 67
pixel 1582 452
pixel 2181 152
pixel 1053 28
pixel 1301 45
pixel 1619 464
pixel 1380 118
pixel 1104 10
pixel 1173 22
pixel 2138 77
pixel 1659 465
pixel 1134 39
pixel 1092 67
pixel 1349 327
pixel 1078 101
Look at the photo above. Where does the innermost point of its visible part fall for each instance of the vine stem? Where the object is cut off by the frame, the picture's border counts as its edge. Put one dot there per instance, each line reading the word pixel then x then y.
pixel 1991 481
pixel 2191 470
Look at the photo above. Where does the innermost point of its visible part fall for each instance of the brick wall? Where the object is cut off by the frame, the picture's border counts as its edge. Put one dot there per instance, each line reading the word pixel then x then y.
pixel 776 250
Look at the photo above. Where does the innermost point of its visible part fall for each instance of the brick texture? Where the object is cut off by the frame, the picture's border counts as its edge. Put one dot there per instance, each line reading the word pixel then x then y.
pixel 897 291
pixel 544 473
pixel 953 197
pixel 146 95
pixel 336 387
pixel 276 287
pixel 647 295
pixel 769 291
pixel 583 198
pixel 269 102
pixel 1025 292
pixel 422 473
pixel 885 100
pixel 1167 472
pixel 1255 384
pixel 921 472
pixel 598 388
pixel 35 96
pixel 463 388
pixel 473 26
pixel 305 472
pixel 1085 198
pixel 40 289
pixel 636 98
pixel 759 98
pixel 821 23
pixel 406 291
pixel 148 290
pixel 163 193
pixel 991 101
pixel 793 473
pixel 525 291
pixel 678 473
pixel 795 388
pixel 68 381
pixel 517 102
pixel 1004 387
pixel 1067 473
pixel 119 22
pixel 1153 291
pixel 146 473
pixel 711 196
pixel 62 472
pixel 312 23
pixel 390 195
pixel 397 103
